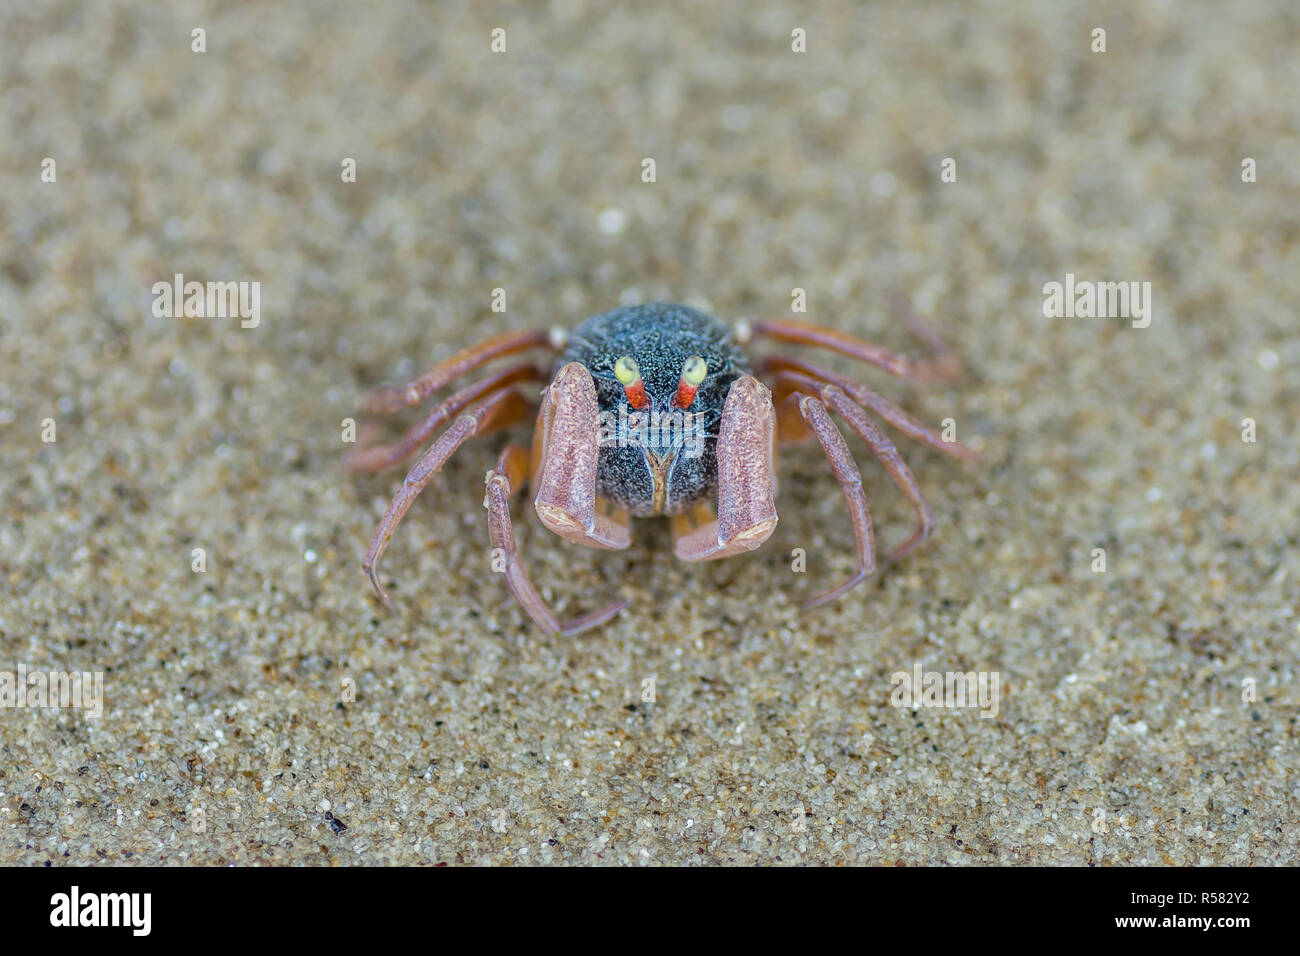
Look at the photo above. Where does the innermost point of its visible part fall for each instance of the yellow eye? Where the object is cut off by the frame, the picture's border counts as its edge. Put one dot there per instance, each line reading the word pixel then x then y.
pixel 628 374
pixel 694 371
pixel 626 370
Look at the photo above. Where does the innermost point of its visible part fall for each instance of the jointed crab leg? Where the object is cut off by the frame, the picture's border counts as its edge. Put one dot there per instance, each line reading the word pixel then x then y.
pixel 511 472
pixel 375 458
pixel 837 400
pixel 502 408
pixel 850 478
pixel 944 366
pixel 867 398
pixel 393 398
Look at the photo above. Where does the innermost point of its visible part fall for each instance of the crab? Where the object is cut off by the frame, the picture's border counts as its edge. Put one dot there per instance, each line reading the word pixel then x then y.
pixel 652 410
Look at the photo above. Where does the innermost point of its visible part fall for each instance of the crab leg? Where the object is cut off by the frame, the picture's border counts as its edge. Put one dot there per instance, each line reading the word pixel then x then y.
pixel 944 366
pixel 887 455
pixel 510 473
pixel 833 396
pixel 850 478
pixel 867 398
pixel 381 456
pixel 498 410
pixel 746 512
pixel 393 398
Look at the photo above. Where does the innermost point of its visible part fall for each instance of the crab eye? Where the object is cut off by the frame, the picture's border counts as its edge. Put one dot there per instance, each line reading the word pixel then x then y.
pixel 693 373
pixel 628 374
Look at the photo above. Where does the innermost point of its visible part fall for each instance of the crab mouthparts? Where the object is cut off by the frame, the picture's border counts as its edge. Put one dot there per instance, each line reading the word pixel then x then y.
pixel 659 465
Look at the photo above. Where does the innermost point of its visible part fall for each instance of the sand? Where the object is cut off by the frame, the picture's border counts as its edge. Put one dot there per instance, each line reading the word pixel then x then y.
pixel 1147 712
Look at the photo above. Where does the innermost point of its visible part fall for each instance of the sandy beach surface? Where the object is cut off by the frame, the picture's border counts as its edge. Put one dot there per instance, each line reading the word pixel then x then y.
pixel 175 516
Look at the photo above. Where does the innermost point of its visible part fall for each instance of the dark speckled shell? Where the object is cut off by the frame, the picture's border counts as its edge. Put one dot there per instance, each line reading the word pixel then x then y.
pixel 660 336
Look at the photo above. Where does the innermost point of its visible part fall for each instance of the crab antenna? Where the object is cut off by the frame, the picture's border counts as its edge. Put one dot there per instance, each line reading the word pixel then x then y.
pixel 628 374
pixel 693 373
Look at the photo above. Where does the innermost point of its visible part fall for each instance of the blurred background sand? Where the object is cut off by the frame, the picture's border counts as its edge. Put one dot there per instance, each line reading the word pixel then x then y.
pixel 1122 734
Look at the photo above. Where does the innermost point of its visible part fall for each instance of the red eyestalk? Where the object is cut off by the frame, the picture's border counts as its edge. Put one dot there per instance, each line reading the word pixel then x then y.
pixel 693 373
pixel 628 374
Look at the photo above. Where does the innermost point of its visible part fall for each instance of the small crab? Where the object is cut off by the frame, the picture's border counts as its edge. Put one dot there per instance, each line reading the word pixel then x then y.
pixel 656 410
